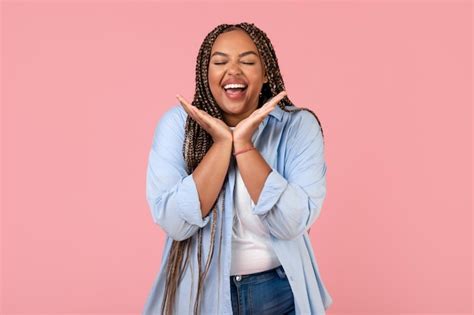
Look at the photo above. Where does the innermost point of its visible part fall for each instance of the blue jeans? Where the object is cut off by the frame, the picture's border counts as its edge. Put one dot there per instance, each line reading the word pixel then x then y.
pixel 266 292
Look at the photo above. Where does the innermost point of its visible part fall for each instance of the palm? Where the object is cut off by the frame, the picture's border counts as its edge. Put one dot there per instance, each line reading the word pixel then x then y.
pixel 218 130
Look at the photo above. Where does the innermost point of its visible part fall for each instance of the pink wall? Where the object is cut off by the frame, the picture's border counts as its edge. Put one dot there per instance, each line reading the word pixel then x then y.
pixel 83 85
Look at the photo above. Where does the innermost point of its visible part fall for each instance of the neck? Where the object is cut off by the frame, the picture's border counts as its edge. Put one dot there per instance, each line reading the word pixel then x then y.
pixel 233 120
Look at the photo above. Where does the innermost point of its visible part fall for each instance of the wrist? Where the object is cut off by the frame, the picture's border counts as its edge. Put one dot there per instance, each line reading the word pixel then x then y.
pixel 242 147
pixel 223 141
pixel 244 150
pixel 239 144
pixel 223 145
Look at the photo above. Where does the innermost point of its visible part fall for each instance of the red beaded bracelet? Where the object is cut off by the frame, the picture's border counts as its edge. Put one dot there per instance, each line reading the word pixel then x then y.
pixel 244 150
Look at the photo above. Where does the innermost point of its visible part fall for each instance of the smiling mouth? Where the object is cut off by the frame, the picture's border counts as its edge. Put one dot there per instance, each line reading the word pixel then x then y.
pixel 235 93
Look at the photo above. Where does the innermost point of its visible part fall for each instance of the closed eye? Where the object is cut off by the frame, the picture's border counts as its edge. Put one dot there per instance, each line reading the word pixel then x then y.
pixel 246 63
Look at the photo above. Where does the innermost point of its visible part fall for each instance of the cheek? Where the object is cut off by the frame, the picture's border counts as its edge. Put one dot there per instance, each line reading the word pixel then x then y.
pixel 213 79
pixel 256 75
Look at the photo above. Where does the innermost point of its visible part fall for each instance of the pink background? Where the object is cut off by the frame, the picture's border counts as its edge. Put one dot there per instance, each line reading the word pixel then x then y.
pixel 84 84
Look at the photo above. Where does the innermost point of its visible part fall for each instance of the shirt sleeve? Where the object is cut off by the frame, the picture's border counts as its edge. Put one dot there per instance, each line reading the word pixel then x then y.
pixel 291 202
pixel 171 192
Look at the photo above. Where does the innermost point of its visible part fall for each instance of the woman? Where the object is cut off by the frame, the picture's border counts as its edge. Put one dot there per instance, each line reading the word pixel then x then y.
pixel 240 172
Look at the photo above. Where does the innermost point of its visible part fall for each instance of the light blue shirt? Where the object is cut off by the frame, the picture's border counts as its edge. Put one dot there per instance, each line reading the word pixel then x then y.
pixel 289 203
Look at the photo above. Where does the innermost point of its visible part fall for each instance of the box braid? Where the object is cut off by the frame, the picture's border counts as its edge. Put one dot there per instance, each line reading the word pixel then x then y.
pixel 197 142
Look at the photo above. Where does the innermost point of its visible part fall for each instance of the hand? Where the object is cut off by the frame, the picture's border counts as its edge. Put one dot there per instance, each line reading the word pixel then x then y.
pixel 217 128
pixel 245 128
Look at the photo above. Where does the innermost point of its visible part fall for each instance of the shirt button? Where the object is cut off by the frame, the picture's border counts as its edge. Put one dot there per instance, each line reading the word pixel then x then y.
pixel 238 278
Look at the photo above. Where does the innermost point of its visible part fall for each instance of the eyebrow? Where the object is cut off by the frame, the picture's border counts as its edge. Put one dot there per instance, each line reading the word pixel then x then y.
pixel 240 55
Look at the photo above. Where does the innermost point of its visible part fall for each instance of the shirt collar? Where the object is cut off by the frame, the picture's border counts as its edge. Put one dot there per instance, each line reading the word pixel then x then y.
pixel 277 112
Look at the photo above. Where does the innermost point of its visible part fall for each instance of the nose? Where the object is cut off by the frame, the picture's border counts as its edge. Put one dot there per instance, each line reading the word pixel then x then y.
pixel 234 67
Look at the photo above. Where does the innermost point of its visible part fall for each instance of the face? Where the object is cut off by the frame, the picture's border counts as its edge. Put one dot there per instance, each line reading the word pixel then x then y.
pixel 235 59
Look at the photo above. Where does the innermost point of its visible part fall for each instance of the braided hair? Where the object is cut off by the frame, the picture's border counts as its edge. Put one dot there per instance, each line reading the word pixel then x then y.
pixel 197 142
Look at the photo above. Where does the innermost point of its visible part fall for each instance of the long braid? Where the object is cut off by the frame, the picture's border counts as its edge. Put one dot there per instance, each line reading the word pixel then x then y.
pixel 197 142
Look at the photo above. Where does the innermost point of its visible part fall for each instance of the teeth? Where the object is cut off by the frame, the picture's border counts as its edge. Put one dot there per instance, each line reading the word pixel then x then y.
pixel 234 86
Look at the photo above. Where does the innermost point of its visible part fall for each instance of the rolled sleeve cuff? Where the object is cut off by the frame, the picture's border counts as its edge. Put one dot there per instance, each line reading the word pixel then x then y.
pixel 188 201
pixel 273 188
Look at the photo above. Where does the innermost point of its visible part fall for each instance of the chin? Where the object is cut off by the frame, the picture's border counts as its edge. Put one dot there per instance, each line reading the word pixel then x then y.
pixel 232 106
pixel 236 109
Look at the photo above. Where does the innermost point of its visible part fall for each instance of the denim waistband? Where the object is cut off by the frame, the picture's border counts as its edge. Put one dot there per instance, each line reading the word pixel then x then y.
pixel 259 276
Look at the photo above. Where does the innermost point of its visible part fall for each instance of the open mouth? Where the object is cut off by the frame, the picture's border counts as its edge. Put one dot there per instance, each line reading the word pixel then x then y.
pixel 235 93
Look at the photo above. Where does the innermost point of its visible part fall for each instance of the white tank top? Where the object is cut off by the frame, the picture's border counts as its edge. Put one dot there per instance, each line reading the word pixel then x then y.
pixel 252 251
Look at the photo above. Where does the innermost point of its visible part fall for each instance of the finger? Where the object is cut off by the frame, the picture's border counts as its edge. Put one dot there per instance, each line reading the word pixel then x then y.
pixel 193 111
pixel 182 100
pixel 261 113
pixel 199 117
pixel 203 113
pixel 271 104
pixel 265 110
pixel 189 108
pixel 276 99
pixel 198 114
pixel 185 104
